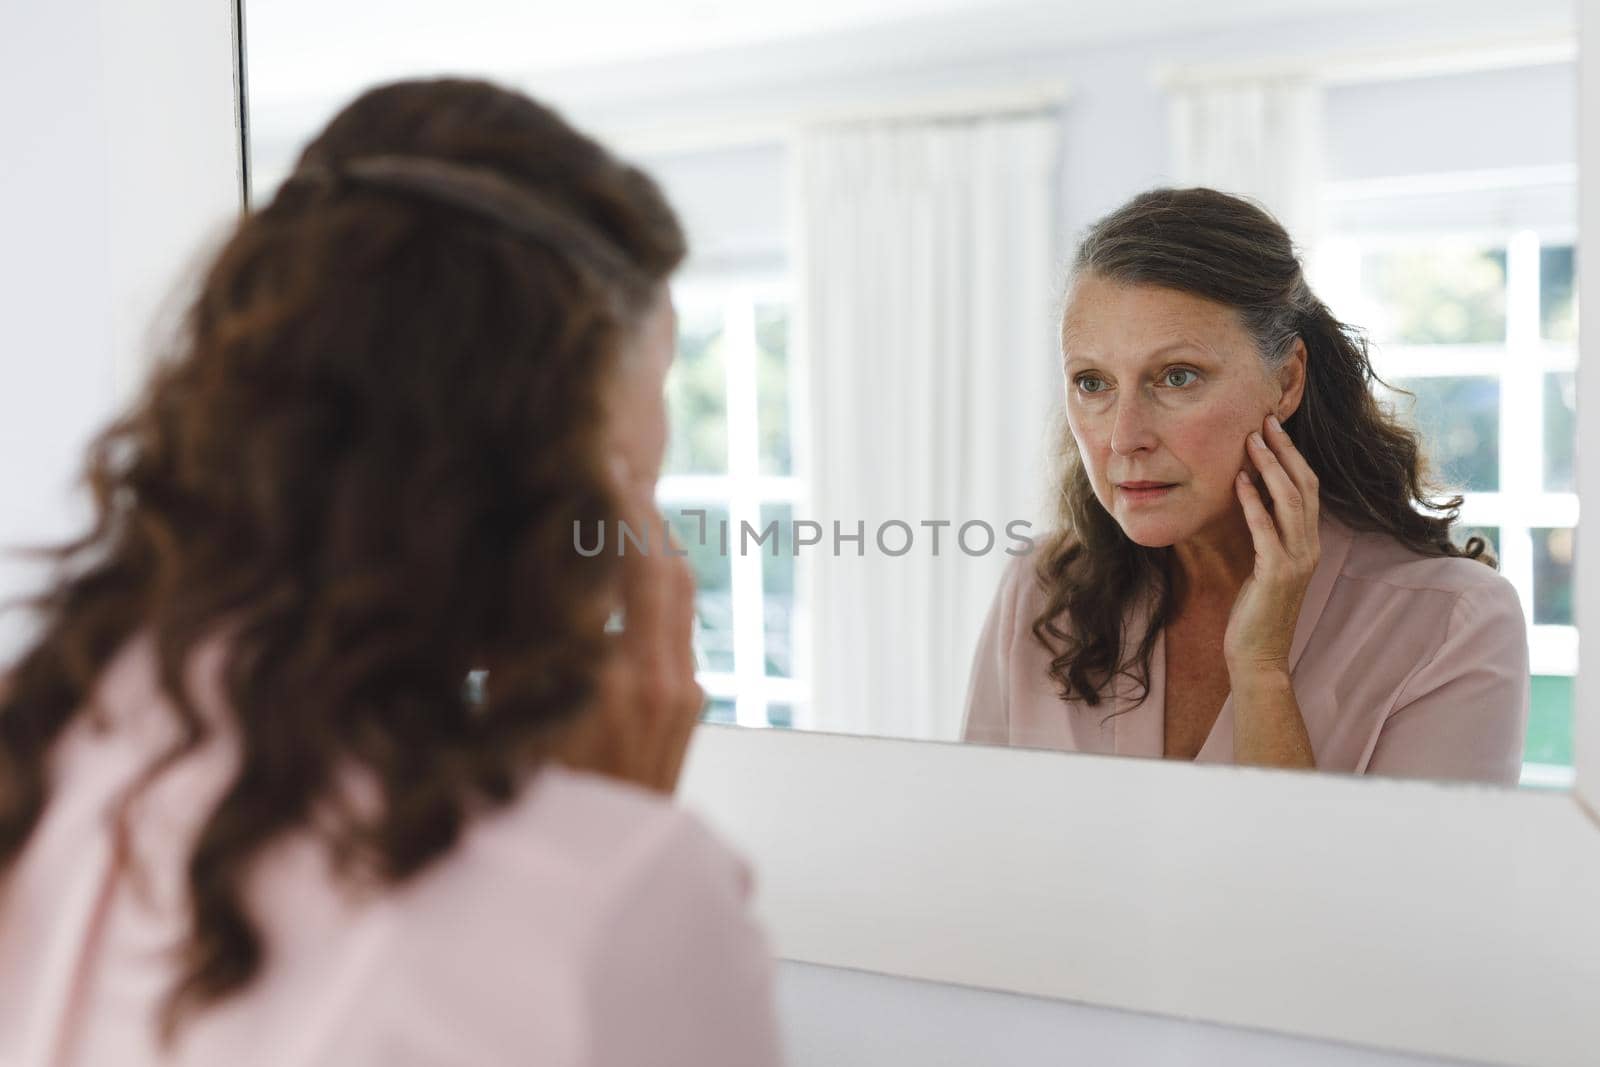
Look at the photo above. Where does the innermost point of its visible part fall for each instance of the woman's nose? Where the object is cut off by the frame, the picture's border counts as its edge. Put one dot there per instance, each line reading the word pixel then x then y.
pixel 1131 427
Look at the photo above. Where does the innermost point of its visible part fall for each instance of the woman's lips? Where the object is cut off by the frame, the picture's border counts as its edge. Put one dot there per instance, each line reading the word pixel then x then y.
pixel 1139 492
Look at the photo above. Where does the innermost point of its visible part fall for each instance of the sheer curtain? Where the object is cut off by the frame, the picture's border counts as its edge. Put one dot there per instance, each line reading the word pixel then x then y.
pixel 928 266
pixel 1260 138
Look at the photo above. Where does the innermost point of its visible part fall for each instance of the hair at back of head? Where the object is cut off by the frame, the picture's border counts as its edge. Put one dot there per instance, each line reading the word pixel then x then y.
pixel 360 469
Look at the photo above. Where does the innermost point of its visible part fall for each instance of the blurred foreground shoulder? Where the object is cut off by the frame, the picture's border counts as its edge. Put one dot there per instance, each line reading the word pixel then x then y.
pixel 683 974
pixel 590 924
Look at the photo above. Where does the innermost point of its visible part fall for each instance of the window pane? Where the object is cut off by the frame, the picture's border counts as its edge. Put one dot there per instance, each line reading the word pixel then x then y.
pixel 772 388
pixel 780 714
pixel 1435 294
pixel 1558 303
pixel 713 578
pixel 777 584
pixel 1459 421
pixel 1560 430
pixel 1552 576
pixel 720 710
pixel 697 397
pixel 1550 721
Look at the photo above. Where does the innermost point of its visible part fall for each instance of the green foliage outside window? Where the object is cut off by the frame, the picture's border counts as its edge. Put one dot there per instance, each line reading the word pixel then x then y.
pixel 1436 295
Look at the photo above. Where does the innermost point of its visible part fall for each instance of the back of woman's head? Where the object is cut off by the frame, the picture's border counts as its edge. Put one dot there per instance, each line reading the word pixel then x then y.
pixel 1370 467
pixel 363 465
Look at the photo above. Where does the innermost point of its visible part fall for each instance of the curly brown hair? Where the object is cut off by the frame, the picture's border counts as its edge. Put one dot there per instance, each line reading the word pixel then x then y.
pixel 1370 466
pixel 363 462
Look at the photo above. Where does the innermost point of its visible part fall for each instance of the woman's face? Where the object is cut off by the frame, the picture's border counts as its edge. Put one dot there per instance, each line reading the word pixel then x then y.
pixel 636 396
pixel 1163 388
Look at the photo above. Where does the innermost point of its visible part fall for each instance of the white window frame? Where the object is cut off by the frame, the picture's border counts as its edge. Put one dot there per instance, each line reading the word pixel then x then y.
pixel 744 490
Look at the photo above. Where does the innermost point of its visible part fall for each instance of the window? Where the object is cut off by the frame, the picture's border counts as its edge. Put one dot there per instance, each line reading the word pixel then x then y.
pixel 1480 327
pixel 730 490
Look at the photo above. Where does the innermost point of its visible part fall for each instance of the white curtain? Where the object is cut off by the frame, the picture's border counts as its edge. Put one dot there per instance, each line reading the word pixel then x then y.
pixel 1260 138
pixel 927 326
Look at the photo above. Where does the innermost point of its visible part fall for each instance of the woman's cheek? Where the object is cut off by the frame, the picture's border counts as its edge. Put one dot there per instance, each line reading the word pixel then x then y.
pixel 1209 446
pixel 1091 444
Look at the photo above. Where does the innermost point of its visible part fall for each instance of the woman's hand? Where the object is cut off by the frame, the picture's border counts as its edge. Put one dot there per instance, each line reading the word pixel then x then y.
pixel 1261 626
pixel 1268 729
pixel 648 703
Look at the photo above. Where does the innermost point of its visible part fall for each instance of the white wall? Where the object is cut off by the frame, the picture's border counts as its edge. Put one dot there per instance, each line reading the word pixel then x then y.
pixel 733 202
pixel 55 377
pixel 1525 117
pixel 118 127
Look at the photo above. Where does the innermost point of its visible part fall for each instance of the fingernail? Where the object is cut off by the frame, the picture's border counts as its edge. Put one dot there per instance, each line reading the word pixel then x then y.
pixel 1255 438
pixel 1272 420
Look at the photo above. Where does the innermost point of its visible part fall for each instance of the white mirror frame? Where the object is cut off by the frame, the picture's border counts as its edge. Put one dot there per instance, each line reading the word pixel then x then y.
pixel 1452 920
pixel 1433 918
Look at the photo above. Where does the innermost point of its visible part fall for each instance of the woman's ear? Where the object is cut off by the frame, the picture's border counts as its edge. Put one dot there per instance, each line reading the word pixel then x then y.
pixel 1291 381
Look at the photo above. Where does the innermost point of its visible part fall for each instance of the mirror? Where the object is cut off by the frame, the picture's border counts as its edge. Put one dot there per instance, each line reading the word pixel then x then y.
pixel 869 409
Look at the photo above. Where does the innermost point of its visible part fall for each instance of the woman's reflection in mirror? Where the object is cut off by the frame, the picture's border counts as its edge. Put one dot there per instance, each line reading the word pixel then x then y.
pixel 1249 564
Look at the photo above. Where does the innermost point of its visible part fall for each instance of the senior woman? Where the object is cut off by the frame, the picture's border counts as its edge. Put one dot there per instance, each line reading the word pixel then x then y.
pixel 250 812
pixel 1248 566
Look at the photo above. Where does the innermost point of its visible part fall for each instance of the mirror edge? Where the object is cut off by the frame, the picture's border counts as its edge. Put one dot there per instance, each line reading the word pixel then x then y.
pixel 1586 724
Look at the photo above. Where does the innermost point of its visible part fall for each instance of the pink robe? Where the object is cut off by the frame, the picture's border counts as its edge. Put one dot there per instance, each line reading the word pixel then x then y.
pixel 1402 664
pixel 588 923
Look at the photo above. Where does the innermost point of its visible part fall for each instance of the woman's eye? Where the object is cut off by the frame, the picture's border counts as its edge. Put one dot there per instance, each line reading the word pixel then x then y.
pixel 1089 384
pixel 1178 377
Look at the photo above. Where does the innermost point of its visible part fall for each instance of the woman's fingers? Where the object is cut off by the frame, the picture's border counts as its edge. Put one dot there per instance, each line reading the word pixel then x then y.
pixel 1288 502
pixel 657 702
pixel 1284 537
pixel 648 583
pixel 1304 478
pixel 684 698
pixel 1263 531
